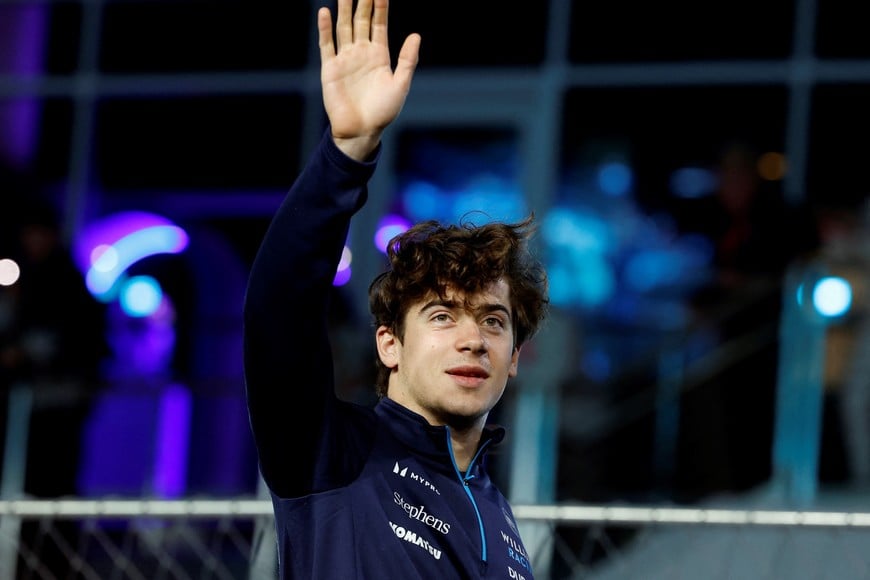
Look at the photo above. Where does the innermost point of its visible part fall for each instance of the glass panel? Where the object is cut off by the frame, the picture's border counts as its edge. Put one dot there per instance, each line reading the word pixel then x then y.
pixel 841 29
pixel 222 143
pixel 623 31
pixel 837 173
pixel 198 36
pixel 480 33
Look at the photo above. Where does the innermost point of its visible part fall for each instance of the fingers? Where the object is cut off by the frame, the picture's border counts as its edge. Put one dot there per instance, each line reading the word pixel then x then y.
pixel 324 30
pixel 362 21
pixel 344 25
pixel 379 22
pixel 364 24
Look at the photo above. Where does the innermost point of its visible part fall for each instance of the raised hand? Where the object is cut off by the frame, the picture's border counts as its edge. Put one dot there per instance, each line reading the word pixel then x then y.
pixel 361 92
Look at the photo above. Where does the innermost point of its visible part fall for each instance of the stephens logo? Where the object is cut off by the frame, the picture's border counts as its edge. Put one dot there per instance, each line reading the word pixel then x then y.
pixel 419 514
pixel 403 472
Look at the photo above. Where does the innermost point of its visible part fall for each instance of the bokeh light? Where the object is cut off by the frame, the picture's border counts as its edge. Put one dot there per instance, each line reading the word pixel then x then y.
pixel 832 296
pixel 104 258
pixel 772 166
pixel 9 272
pixel 342 277
pixel 389 227
pixel 140 296
pixel 615 178
pixel 135 246
pixel 481 198
pixel 693 182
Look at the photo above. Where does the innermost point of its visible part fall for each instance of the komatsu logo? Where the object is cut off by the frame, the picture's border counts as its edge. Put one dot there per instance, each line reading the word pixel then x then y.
pixel 403 472
pixel 413 538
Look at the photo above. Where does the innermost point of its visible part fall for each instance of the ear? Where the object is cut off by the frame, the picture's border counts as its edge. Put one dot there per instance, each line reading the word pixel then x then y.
pixel 515 358
pixel 389 347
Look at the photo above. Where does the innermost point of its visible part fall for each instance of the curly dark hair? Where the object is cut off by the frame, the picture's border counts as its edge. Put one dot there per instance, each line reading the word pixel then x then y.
pixel 434 258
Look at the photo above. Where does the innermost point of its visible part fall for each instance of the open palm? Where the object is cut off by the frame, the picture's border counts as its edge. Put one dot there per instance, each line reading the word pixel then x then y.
pixel 361 92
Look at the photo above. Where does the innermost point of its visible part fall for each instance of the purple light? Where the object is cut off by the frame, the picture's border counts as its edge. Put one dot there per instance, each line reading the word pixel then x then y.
pixel 342 277
pixel 22 44
pixel 108 230
pixel 173 440
pixel 110 266
pixel 343 272
pixel 389 227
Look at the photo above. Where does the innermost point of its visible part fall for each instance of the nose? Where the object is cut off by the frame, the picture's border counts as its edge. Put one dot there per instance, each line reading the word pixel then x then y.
pixel 470 337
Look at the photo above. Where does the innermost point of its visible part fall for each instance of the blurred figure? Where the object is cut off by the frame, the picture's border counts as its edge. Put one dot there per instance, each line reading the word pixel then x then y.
pixel 756 235
pixel 845 452
pixel 52 342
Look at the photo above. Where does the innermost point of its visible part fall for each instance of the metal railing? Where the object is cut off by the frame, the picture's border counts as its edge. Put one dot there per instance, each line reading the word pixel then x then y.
pixel 220 538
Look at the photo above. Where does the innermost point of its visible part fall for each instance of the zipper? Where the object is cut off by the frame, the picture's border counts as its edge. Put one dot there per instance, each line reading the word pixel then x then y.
pixel 464 480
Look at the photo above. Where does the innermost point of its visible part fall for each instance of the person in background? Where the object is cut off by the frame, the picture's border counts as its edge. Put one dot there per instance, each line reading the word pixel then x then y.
pixel 52 344
pixel 755 235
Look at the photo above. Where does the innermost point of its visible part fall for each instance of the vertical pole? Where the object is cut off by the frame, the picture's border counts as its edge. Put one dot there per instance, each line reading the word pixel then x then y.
pixel 670 379
pixel 264 549
pixel 14 466
pixel 798 421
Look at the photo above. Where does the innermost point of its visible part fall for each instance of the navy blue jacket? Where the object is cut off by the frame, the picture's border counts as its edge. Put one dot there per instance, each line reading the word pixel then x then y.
pixel 357 492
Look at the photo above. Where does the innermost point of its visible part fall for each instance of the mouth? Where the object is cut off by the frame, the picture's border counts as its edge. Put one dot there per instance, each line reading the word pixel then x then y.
pixel 468 376
pixel 469 371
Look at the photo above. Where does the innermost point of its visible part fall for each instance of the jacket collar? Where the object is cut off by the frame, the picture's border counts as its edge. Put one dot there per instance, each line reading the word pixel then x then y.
pixel 429 441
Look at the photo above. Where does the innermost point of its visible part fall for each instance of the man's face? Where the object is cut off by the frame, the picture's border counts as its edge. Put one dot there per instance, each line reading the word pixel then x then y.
pixel 455 358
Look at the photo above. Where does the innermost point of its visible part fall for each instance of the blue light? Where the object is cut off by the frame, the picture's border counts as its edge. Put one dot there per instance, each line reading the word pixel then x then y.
pixel 615 178
pixel 597 364
pixel 488 198
pixel 693 182
pixel 577 230
pixel 580 279
pixel 650 269
pixel 111 263
pixel 424 201
pixel 140 296
pixel 832 296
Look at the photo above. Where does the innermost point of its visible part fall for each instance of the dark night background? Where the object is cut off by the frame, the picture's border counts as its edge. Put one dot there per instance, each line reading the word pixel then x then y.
pixel 204 111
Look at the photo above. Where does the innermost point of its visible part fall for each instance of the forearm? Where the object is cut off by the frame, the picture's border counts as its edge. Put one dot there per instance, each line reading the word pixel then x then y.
pixel 288 365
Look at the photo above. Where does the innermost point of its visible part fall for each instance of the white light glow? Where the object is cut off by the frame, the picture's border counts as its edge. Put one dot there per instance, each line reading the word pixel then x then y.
pixel 832 296
pixel 9 272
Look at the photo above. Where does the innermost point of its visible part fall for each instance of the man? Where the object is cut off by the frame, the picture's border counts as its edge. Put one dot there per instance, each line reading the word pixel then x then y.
pixel 399 491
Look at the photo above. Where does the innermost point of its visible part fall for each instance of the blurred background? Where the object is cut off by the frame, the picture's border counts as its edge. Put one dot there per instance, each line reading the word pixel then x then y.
pixel 698 172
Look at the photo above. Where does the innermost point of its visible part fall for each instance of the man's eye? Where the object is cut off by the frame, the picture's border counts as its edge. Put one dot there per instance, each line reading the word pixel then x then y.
pixel 493 321
pixel 440 318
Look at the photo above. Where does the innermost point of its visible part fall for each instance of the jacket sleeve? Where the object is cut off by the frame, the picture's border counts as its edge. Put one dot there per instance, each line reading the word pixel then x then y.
pixel 288 362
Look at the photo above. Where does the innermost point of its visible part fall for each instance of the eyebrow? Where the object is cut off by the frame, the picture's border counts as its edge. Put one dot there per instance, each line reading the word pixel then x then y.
pixel 453 305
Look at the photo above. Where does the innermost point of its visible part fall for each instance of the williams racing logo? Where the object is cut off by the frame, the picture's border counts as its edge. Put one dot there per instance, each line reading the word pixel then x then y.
pixel 404 472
